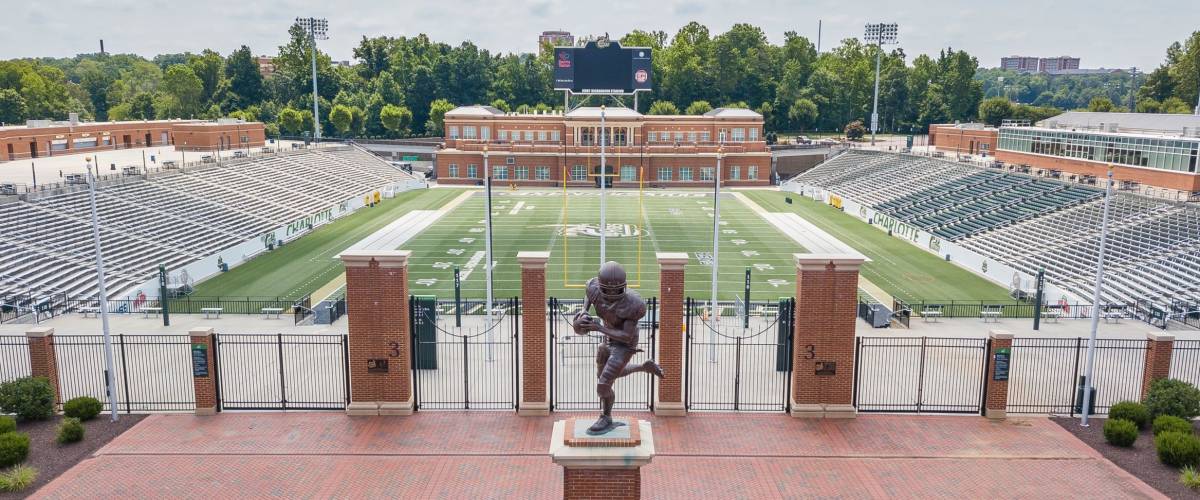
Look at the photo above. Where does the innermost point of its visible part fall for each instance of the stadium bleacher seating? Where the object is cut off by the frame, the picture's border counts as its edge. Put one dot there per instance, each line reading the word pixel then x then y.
pixel 1030 223
pixel 174 218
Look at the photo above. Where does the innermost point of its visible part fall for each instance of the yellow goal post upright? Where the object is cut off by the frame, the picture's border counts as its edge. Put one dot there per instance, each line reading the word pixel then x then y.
pixel 636 281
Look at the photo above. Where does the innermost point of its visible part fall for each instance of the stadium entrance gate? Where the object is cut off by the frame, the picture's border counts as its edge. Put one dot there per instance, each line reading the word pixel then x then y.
pixel 459 361
pixel 282 372
pixel 920 374
pixel 745 362
pixel 573 362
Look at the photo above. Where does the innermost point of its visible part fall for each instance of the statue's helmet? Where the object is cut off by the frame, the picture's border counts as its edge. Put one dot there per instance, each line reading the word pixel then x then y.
pixel 612 279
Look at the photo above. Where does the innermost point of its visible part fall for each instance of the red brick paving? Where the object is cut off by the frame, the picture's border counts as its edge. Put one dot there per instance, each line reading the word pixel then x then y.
pixel 498 455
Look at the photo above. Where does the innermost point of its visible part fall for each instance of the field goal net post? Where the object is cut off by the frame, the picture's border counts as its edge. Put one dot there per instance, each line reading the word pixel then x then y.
pixel 635 229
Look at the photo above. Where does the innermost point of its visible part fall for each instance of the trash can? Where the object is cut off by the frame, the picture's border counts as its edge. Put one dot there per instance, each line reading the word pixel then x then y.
pixel 424 323
pixel 1079 398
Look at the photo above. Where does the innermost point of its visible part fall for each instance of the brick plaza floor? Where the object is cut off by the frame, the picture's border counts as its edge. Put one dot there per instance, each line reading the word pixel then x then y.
pixel 500 455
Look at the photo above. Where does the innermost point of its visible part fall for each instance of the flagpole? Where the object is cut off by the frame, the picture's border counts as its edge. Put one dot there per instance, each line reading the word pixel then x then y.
pixel 603 183
pixel 712 314
pixel 1091 351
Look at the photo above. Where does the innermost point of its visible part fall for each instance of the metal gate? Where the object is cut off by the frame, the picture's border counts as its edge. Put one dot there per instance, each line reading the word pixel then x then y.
pixel 745 363
pixel 282 372
pixel 920 374
pixel 459 361
pixel 573 364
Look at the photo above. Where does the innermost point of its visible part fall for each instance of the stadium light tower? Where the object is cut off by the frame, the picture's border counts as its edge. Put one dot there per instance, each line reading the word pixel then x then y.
pixel 317 29
pixel 879 34
pixel 101 292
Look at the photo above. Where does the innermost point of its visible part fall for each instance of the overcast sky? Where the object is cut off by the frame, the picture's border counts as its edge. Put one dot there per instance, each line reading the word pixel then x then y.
pixel 1104 33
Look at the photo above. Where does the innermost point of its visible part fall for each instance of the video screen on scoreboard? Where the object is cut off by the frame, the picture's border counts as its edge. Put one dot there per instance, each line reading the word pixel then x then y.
pixel 602 70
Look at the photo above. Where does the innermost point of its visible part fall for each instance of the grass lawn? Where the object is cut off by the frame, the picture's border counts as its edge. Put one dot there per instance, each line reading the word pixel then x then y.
pixel 900 268
pixel 303 265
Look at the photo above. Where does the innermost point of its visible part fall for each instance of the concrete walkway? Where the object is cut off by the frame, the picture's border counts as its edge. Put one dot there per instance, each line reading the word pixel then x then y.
pixel 499 455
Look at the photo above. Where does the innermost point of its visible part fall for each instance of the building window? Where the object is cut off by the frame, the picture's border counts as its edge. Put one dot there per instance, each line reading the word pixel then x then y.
pixel 685 174
pixel 739 134
pixel 469 132
pixel 579 173
pixel 485 133
pixel 523 173
pixel 453 170
pixel 704 136
pixel 678 136
pixel 500 172
pixel 554 136
pixel 664 174
pixel 586 138
pixel 618 137
pixel 692 137
pixel 706 173
pixel 735 173
pixel 502 135
pixel 541 135
pixel 510 160
pixel 753 133
pixel 543 173
pixel 651 136
pixel 628 173
pixel 529 135
pixel 472 171
pixel 752 172
pixel 453 132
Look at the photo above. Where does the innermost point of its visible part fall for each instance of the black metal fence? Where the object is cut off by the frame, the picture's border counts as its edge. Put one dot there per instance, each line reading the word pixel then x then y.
pixel 459 360
pixel 281 372
pixel 1045 374
pixel 573 362
pixel 920 374
pixel 152 372
pixel 1157 313
pixel 13 308
pixel 739 361
pixel 1185 361
pixel 14 357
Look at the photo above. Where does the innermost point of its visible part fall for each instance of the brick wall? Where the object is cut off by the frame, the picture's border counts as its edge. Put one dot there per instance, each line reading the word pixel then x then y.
pixel 670 333
pixel 42 360
pixel 581 483
pixel 1158 359
pixel 825 315
pixel 534 397
pixel 377 316
pixel 205 387
pixel 996 400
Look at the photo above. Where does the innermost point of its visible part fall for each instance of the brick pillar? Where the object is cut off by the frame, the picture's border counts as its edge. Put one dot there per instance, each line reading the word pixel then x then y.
pixel 996 401
pixel 1158 359
pixel 670 334
pixel 601 467
pixel 204 385
pixel 535 399
pixel 42 360
pixel 823 347
pixel 377 317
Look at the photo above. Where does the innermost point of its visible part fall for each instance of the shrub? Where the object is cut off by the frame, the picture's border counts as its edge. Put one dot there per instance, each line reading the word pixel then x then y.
pixel 70 431
pixel 1132 411
pixel 1173 397
pixel 83 408
pixel 1171 423
pixel 1120 432
pixel 7 424
pixel 1178 449
pixel 17 478
pixel 29 398
pixel 1189 477
pixel 14 447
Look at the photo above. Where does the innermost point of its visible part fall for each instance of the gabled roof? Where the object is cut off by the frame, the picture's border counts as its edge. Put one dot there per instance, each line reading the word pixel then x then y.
pixel 733 113
pixel 594 112
pixel 475 110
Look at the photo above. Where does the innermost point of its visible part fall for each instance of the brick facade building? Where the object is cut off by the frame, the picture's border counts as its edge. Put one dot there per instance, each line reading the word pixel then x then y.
pixel 42 138
pixel 654 151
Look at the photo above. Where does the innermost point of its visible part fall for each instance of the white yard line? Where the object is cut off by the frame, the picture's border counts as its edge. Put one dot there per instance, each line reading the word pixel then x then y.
pixel 516 209
pixel 399 231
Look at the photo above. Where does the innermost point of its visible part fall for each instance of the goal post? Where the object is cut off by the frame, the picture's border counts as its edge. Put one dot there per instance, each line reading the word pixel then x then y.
pixel 579 232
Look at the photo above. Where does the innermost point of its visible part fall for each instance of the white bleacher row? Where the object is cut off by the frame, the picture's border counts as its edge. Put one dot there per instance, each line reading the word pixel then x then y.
pixel 1152 246
pixel 46 244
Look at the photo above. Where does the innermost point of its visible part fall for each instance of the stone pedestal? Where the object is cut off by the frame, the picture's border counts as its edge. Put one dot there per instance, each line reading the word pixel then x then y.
pixel 602 467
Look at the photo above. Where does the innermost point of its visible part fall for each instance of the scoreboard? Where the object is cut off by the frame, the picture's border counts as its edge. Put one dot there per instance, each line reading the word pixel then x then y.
pixel 607 69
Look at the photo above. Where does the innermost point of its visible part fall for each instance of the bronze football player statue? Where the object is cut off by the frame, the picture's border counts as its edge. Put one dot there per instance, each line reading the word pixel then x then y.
pixel 619 311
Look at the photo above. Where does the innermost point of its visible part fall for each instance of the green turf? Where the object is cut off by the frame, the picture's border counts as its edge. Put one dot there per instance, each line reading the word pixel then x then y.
pixel 675 222
pixel 900 268
pixel 303 265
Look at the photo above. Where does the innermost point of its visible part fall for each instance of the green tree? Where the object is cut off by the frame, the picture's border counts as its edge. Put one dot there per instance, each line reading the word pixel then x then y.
pixel 855 130
pixel 698 108
pixel 501 105
pixel 995 110
pixel 182 93
pixel 437 114
pixel 1100 104
pixel 802 114
pixel 663 108
pixel 291 121
pixel 341 116
pixel 396 119
pixel 209 67
pixel 245 81
pixel 12 107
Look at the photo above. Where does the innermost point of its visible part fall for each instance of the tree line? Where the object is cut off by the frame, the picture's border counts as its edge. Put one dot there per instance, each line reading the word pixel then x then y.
pixel 402 86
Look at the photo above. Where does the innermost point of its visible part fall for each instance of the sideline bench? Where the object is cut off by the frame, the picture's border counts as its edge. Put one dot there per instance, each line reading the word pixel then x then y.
pixel 992 313
pixel 1052 313
pixel 1114 312
pixel 209 312
pixel 147 311
pixel 268 311
pixel 94 311
pixel 932 311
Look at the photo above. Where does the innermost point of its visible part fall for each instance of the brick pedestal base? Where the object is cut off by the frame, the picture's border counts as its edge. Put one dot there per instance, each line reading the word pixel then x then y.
pixel 1158 359
pixel 602 472
pixel 42 359
pixel 602 483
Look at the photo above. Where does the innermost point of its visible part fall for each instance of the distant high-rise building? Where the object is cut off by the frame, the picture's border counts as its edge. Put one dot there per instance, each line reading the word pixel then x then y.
pixel 1048 64
pixel 266 65
pixel 556 38
pixel 1019 63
